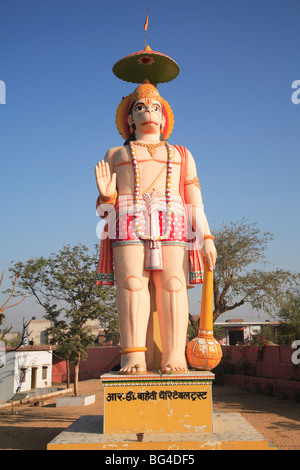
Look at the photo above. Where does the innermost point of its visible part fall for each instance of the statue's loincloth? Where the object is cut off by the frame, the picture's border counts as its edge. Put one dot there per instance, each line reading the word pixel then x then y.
pixel 120 230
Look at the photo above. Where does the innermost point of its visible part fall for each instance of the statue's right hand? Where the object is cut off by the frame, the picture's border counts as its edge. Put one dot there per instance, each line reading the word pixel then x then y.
pixel 106 182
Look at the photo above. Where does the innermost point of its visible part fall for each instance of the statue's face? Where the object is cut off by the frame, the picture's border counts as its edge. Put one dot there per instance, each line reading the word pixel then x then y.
pixel 147 115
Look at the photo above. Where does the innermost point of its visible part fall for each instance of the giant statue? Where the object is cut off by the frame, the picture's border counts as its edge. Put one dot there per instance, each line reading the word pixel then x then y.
pixel 156 229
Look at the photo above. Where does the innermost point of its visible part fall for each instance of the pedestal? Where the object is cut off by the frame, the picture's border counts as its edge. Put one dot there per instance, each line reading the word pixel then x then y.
pixel 173 412
pixel 157 403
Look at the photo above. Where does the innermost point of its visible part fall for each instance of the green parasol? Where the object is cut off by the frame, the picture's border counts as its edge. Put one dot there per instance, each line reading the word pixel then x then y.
pixel 146 64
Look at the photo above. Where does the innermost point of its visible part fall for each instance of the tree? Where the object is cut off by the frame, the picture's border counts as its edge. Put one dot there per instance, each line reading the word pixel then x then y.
pixel 112 331
pixel 64 285
pixel 5 306
pixel 289 313
pixel 240 245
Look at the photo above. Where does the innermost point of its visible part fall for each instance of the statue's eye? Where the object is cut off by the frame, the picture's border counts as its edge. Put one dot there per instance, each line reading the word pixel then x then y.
pixel 156 109
pixel 139 108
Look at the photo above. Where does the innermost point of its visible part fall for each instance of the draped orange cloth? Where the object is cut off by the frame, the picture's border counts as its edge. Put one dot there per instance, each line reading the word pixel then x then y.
pixel 196 264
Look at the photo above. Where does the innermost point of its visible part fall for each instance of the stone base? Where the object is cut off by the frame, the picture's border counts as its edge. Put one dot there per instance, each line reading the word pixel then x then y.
pixel 231 432
pixel 155 403
pixel 82 400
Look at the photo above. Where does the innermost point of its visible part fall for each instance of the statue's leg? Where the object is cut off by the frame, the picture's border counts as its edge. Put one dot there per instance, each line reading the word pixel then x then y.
pixel 172 306
pixel 133 305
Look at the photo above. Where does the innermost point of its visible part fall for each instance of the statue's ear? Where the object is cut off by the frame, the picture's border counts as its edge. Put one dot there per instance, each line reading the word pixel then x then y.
pixel 129 119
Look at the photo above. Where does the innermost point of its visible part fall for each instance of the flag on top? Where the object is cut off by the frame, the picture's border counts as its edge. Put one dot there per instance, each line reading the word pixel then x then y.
pixel 146 22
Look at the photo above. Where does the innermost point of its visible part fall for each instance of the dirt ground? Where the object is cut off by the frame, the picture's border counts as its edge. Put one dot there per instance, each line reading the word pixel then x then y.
pixel 32 427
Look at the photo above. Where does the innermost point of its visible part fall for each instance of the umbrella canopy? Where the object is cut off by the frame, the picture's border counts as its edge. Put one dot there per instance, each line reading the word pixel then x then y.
pixel 146 64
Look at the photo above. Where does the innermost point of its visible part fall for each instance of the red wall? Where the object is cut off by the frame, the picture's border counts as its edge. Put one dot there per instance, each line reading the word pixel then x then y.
pixel 99 360
pixel 273 372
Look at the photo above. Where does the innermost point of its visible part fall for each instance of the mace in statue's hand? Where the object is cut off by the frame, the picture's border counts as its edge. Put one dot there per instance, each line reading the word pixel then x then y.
pixel 106 182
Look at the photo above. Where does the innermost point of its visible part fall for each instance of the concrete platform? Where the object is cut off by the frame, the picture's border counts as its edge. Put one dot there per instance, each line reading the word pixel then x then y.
pixel 35 395
pixel 81 400
pixel 231 432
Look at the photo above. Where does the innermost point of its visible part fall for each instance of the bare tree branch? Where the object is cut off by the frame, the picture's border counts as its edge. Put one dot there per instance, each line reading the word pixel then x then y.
pixel 5 306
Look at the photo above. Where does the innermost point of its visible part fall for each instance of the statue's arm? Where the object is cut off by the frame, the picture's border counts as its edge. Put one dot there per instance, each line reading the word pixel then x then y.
pixel 193 199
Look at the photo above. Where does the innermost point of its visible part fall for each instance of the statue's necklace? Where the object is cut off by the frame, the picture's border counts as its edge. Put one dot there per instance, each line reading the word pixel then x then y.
pixel 137 192
pixel 150 147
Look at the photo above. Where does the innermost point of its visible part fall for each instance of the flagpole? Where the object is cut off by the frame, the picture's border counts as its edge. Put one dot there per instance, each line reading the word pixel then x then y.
pixel 146 27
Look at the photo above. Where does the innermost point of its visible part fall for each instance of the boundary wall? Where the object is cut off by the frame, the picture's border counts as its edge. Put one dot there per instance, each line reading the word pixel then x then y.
pixel 273 370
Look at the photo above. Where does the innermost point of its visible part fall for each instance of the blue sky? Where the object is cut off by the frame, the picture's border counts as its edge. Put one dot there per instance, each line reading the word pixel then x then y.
pixel 231 101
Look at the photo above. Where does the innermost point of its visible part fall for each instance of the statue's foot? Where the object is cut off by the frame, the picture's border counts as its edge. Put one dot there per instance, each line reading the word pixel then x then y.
pixel 133 364
pixel 173 363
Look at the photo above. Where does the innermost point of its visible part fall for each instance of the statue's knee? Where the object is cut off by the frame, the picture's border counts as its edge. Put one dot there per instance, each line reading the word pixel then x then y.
pixel 174 284
pixel 133 283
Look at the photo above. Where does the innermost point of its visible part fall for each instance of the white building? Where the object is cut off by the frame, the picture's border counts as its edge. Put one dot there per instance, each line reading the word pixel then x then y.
pixel 38 331
pixel 23 370
pixel 235 331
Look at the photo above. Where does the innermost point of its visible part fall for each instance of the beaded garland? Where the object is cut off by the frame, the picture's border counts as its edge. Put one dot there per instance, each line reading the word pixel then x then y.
pixel 137 193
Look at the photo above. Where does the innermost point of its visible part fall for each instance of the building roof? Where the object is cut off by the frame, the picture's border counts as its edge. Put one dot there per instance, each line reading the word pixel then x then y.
pixel 41 347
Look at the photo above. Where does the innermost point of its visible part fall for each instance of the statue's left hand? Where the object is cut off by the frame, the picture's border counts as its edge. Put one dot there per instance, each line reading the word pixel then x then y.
pixel 209 253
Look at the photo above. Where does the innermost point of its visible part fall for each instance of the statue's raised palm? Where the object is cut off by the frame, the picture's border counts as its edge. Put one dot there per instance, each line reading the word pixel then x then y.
pixel 106 182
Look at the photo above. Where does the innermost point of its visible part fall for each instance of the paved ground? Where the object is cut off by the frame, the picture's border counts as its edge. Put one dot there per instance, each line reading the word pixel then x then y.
pixel 32 427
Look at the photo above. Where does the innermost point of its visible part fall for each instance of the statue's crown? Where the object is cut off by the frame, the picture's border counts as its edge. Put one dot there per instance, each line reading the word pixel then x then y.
pixel 145 90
